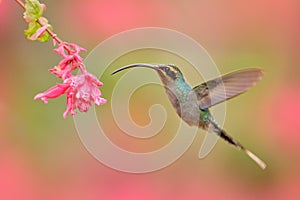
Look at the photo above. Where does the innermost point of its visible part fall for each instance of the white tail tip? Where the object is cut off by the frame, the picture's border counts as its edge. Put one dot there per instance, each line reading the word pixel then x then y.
pixel 261 163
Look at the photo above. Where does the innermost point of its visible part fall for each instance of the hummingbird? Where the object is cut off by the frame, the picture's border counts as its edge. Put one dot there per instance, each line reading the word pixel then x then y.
pixel 192 104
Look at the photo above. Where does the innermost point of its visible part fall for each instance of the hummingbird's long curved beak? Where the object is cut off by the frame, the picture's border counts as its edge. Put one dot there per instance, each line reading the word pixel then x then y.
pixel 155 67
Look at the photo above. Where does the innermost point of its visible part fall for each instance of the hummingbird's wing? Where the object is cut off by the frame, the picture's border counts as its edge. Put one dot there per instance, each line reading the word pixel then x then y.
pixel 228 86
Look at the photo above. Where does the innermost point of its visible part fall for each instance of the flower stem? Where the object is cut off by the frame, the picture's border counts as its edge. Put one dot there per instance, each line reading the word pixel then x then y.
pixel 52 34
pixel 20 3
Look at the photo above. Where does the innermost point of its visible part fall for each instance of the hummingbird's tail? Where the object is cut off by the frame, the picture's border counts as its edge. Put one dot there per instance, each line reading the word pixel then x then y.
pixel 232 141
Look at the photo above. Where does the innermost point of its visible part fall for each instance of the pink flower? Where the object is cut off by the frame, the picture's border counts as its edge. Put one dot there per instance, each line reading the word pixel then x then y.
pixel 81 90
pixel 71 60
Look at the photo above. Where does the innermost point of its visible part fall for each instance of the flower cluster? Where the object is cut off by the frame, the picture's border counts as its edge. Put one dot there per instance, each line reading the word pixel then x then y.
pixel 82 89
pixel 70 60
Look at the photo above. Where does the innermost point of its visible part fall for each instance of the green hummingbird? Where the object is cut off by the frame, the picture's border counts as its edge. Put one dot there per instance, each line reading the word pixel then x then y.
pixel 192 104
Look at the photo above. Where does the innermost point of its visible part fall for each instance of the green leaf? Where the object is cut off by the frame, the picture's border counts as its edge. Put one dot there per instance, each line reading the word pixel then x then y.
pixel 33 10
pixel 32 28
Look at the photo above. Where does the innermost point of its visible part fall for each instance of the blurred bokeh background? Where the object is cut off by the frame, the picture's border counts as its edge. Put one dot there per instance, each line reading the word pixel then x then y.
pixel 41 156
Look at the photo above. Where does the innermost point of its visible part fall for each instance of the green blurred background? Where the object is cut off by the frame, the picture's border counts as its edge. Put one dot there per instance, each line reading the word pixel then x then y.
pixel 41 156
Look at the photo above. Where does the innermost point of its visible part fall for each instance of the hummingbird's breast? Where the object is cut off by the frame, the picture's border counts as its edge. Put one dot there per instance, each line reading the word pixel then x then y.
pixel 185 103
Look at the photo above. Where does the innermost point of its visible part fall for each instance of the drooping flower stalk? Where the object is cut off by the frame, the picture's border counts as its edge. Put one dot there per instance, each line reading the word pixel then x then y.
pixel 81 89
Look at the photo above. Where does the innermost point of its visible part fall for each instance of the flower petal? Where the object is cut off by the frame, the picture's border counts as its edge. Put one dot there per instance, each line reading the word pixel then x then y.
pixel 52 92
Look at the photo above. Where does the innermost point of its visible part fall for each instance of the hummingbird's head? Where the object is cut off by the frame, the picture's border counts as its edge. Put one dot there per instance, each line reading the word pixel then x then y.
pixel 168 73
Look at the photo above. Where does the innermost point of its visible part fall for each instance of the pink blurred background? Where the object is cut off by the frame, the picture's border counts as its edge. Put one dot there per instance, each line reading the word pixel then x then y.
pixel 41 156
